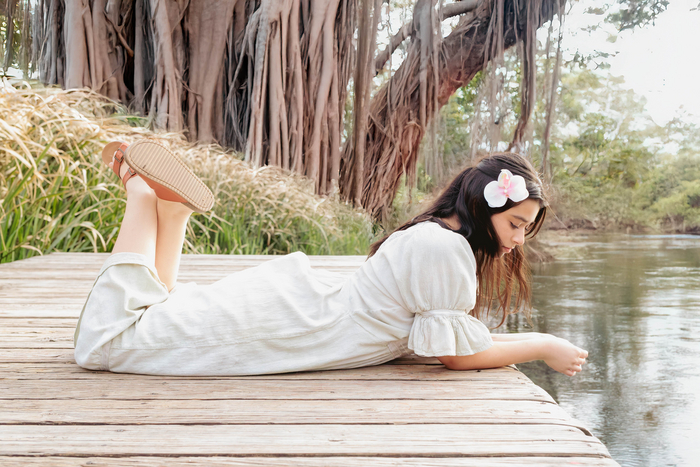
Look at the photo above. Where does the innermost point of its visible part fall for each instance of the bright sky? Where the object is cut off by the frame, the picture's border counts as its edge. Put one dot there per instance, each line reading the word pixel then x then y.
pixel 660 61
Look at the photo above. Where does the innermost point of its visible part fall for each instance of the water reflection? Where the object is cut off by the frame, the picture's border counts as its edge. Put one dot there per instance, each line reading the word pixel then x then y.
pixel 634 303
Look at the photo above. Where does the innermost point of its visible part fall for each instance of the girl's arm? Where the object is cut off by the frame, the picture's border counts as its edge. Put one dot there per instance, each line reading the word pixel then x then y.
pixel 559 354
pixel 518 336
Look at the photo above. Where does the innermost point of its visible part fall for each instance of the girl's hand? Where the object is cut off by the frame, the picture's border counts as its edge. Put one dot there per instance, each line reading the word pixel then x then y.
pixel 564 357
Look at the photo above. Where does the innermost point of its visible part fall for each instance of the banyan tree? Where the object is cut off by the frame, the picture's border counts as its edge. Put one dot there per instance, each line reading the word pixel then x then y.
pixel 275 78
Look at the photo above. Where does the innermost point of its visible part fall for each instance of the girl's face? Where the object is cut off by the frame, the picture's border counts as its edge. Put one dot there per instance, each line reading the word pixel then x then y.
pixel 512 225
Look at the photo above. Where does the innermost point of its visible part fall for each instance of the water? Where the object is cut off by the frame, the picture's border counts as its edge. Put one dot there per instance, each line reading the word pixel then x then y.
pixel 634 303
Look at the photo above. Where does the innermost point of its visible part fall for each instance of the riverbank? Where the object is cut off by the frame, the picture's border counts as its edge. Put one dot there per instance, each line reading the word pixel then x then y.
pixel 553 244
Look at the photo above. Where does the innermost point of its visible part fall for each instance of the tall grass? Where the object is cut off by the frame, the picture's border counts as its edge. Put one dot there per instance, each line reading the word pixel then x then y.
pixel 57 195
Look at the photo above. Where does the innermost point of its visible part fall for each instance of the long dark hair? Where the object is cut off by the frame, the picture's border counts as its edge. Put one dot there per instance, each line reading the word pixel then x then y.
pixel 500 278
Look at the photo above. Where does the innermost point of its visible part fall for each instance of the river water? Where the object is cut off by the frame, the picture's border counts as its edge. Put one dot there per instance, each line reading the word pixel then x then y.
pixel 634 303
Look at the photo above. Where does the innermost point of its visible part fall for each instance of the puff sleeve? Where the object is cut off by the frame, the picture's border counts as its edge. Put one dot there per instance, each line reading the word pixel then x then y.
pixel 435 273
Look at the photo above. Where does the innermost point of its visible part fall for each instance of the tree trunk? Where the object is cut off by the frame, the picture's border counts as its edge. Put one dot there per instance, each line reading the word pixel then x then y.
pixel 271 76
pixel 207 23
pixel 369 13
pixel 285 95
pixel 9 33
pixel 546 168
pixel 393 138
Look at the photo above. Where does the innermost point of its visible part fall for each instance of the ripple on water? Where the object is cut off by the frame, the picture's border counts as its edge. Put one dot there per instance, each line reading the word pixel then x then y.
pixel 634 303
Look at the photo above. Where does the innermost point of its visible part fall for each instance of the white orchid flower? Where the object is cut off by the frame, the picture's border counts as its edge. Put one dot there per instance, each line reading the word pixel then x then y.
pixel 508 186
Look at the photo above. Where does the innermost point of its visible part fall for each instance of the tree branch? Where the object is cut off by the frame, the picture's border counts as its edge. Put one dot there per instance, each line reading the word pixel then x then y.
pixel 448 11
pixel 459 8
pixel 120 36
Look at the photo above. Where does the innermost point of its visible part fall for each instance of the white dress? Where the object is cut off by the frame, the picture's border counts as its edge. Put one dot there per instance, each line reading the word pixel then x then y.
pixel 414 294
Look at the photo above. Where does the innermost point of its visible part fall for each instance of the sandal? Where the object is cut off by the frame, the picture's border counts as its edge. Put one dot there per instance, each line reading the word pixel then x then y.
pixel 115 151
pixel 163 171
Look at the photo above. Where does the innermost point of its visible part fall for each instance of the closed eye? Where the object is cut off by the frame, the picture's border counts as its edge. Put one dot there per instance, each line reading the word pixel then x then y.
pixel 528 227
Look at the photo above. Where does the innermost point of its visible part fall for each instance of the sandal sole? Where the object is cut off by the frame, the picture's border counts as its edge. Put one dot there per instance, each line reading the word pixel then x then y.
pixel 160 168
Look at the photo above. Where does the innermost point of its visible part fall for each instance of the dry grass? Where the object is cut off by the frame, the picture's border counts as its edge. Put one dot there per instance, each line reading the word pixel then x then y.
pixel 56 195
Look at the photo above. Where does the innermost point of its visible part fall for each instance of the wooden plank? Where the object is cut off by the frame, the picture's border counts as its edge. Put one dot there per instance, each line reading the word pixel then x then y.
pixel 274 412
pixel 52 274
pixel 35 277
pixel 255 389
pixel 43 355
pixel 38 337
pixel 46 302
pixel 6 323
pixel 49 310
pixel 32 338
pixel 44 294
pixel 12 337
pixel 280 440
pixel 221 263
pixel 99 258
pixel 37 332
pixel 93 262
pixel 305 461
pixel 387 372
pixel 36 355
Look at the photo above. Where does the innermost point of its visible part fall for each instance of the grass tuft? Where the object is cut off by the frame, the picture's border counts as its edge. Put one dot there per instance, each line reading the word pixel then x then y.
pixel 57 195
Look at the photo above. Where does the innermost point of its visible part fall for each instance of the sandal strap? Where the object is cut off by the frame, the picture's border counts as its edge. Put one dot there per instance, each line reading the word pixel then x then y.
pixel 118 159
pixel 129 173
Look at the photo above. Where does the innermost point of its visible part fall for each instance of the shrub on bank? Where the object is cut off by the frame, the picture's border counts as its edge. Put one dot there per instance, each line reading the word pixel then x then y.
pixel 57 195
pixel 667 200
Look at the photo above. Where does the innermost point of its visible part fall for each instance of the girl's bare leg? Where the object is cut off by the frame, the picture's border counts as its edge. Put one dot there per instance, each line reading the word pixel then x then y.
pixel 139 226
pixel 172 223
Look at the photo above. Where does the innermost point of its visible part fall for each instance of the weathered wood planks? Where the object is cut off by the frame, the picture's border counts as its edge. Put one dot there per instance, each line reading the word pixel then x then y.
pixel 280 412
pixel 317 461
pixel 280 440
pixel 411 412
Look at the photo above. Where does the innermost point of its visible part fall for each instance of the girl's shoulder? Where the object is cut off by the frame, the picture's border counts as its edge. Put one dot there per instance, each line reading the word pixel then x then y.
pixel 430 237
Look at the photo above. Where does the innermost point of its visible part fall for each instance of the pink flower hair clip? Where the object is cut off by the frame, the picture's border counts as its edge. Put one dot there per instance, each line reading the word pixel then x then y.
pixel 508 186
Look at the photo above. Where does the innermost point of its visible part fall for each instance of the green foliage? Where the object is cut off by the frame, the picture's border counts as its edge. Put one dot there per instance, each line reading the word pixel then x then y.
pixel 612 166
pixel 57 195
pixel 17 21
pixel 614 169
pixel 636 13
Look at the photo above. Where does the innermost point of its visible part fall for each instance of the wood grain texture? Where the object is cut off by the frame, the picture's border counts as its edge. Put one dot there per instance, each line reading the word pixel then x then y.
pixel 7 323
pixel 255 389
pixel 387 372
pixel 276 412
pixel 48 355
pixel 220 461
pixel 410 412
pixel 279 440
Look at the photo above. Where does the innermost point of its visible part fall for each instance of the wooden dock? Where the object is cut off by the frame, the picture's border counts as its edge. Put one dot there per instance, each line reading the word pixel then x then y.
pixel 409 412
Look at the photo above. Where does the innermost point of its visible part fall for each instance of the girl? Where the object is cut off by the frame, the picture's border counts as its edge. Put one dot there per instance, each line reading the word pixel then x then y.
pixel 422 289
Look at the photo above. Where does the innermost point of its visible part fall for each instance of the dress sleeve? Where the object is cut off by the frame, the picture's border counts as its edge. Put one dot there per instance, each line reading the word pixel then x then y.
pixel 435 272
